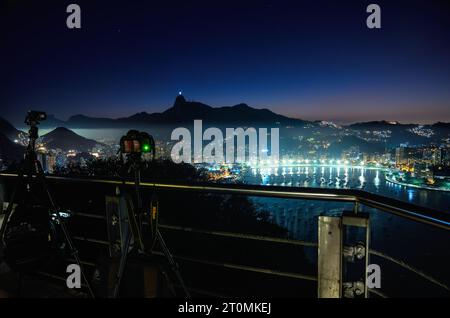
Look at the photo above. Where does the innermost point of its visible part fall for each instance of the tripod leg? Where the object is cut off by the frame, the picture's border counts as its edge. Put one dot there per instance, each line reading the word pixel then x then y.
pixel 173 264
pixel 8 211
pixel 123 262
pixel 166 277
pixel 73 250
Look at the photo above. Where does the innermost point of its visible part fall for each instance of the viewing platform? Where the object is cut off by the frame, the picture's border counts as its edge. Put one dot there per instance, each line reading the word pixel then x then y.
pixel 406 241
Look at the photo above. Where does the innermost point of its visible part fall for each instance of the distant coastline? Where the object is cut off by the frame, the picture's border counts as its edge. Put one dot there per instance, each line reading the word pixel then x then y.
pixel 389 179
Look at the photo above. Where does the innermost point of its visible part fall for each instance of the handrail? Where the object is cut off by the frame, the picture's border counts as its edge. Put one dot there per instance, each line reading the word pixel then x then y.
pixel 410 268
pixel 241 267
pixel 239 235
pixel 407 210
pixel 306 244
pixel 410 211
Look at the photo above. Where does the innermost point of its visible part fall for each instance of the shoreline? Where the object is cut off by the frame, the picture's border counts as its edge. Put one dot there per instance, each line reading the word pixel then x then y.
pixel 388 179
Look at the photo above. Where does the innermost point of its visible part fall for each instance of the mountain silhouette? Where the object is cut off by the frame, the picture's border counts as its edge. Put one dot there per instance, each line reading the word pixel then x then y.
pixel 65 139
pixel 182 112
pixel 8 130
pixel 52 121
pixel 441 125
pixel 10 151
pixel 382 125
pixel 241 114
pixel 82 120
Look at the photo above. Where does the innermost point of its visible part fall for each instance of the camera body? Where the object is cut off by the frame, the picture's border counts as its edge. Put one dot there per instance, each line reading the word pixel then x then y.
pixel 35 117
pixel 137 142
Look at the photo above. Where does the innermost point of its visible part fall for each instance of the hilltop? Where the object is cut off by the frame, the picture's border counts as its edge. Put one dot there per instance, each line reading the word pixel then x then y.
pixel 66 139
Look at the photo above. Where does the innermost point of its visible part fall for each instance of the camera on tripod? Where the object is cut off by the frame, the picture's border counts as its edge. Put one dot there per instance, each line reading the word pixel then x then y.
pixel 133 145
pixel 29 237
pixel 35 117
pixel 137 142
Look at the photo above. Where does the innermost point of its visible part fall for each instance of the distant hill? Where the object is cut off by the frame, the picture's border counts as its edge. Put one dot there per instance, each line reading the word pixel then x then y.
pixel 80 121
pixel 385 125
pixel 183 112
pixel 8 130
pixel 346 142
pixel 405 133
pixel 66 139
pixel 52 122
pixel 381 125
pixel 10 151
pixel 441 125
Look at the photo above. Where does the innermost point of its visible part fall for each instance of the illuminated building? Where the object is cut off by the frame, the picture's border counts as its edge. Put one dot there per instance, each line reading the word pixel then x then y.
pixel 446 157
pixel 436 157
pixel 51 163
pixel 400 156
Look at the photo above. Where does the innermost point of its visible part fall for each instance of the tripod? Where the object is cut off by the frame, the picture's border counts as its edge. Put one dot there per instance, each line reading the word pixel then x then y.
pixel 136 229
pixel 30 168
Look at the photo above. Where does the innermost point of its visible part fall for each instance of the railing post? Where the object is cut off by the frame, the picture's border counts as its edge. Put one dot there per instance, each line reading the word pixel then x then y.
pixel 357 252
pixel 334 257
pixel 330 257
pixel 117 225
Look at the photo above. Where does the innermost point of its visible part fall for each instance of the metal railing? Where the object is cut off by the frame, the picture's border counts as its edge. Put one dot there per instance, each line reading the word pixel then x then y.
pixel 417 213
pixel 359 198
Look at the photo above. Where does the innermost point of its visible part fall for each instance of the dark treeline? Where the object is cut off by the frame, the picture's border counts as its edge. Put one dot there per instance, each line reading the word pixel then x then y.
pixel 209 211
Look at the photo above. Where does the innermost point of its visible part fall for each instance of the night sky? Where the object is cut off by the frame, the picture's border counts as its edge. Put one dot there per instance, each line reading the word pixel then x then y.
pixel 305 59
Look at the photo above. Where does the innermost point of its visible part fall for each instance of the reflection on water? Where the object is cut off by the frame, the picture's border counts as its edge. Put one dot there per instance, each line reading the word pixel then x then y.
pixel 418 244
pixel 344 177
